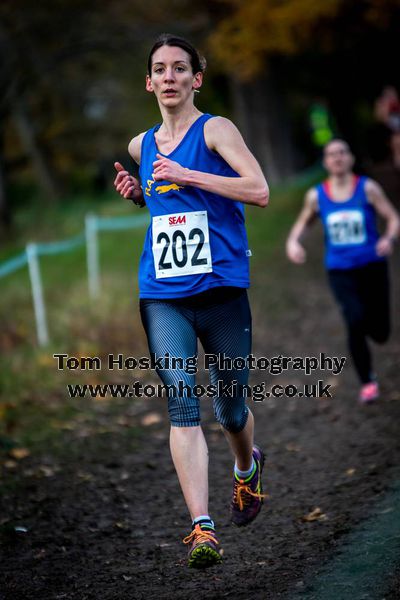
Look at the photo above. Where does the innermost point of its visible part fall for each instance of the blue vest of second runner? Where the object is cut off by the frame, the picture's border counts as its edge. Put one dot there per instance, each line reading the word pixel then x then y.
pixel 350 228
pixel 196 239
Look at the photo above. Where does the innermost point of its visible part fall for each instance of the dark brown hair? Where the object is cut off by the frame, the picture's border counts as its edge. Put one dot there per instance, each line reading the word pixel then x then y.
pixel 336 140
pixel 197 62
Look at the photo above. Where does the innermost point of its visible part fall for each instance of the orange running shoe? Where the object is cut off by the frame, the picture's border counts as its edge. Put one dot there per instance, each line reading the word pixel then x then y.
pixel 204 551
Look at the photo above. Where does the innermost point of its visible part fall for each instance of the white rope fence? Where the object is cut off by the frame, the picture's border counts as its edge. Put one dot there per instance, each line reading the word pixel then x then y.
pixel 30 257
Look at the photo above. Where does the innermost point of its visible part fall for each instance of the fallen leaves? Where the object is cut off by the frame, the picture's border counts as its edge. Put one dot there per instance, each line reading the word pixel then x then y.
pixel 10 464
pixel 45 360
pixel 315 515
pixel 19 453
pixel 293 447
pixel 122 525
pixel 84 476
pixel 152 418
pixel 46 471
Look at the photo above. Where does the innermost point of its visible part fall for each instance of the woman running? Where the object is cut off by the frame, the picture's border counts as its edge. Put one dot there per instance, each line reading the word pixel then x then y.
pixel 355 255
pixel 196 173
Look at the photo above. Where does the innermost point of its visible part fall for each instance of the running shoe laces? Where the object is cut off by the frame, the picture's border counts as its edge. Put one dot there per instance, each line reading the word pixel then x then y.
pixel 247 496
pixel 242 493
pixel 199 536
pixel 204 551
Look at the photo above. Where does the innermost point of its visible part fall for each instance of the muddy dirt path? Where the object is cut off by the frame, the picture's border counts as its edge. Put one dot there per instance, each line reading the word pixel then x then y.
pixel 108 522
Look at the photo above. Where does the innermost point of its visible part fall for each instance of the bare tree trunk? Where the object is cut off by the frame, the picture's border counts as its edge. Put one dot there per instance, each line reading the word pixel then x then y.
pixel 265 126
pixel 28 138
pixel 5 213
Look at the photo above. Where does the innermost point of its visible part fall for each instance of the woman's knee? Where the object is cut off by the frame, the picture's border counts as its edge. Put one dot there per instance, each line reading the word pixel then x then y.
pixel 232 418
pixel 355 325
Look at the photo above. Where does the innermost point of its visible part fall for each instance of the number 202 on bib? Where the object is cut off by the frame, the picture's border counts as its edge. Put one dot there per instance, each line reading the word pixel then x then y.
pixel 181 244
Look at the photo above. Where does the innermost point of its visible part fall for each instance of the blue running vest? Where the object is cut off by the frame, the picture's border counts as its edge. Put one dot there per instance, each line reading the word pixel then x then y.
pixel 196 239
pixel 349 227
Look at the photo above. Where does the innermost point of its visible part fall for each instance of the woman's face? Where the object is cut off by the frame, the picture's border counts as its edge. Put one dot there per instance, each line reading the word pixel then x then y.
pixel 338 160
pixel 171 77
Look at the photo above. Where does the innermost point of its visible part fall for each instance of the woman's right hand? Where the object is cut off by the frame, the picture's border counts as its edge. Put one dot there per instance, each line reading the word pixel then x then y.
pixel 128 186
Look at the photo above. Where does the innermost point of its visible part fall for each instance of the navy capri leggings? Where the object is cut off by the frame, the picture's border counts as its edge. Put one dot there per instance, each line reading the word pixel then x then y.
pixel 220 318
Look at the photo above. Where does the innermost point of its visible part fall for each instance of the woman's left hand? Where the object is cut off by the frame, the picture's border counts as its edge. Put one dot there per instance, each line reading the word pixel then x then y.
pixel 168 170
pixel 384 246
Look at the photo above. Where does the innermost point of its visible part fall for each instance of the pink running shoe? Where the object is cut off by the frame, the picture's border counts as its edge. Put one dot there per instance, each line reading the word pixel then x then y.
pixel 369 392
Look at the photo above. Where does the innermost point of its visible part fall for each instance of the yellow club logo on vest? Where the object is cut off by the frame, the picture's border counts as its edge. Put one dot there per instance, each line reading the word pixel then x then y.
pixel 162 189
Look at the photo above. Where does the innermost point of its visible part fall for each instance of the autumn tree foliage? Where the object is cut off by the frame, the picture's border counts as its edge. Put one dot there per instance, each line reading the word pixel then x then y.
pixel 72 77
pixel 279 52
pixel 255 30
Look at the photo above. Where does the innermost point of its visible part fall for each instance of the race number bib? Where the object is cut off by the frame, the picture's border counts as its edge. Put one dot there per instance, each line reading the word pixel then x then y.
pixel 181 244
pixel 346 227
